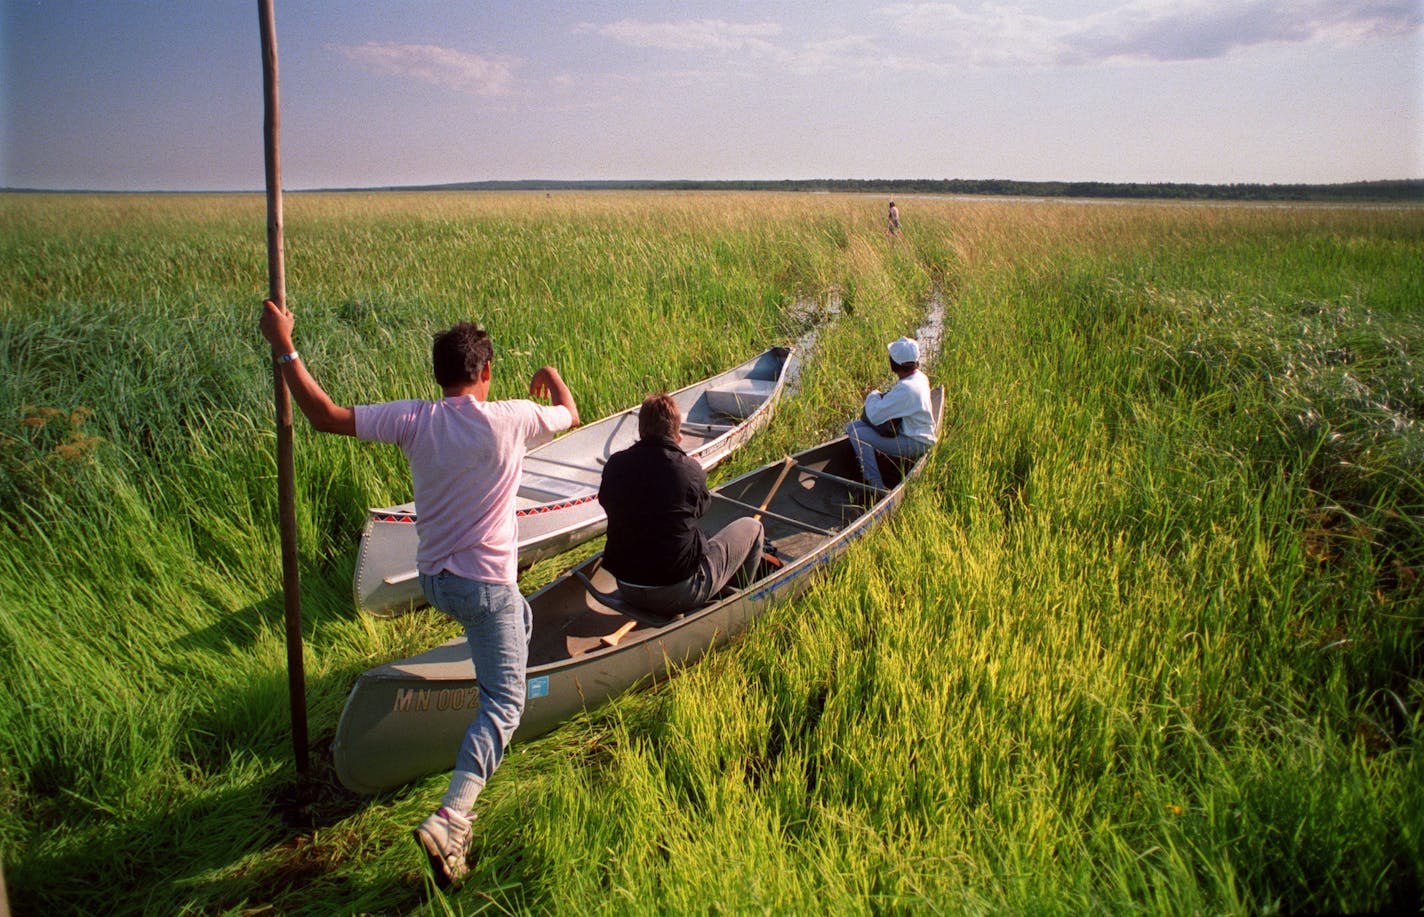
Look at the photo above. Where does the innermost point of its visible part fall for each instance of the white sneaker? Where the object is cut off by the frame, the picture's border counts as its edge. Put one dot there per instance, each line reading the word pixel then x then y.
pixel 445 838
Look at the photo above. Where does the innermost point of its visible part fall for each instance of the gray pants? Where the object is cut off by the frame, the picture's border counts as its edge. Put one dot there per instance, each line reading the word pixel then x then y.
pixel 736 548
pixel 866 442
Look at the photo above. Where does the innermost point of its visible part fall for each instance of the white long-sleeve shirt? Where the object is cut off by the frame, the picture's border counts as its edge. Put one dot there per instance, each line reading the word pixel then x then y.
pixel 909 400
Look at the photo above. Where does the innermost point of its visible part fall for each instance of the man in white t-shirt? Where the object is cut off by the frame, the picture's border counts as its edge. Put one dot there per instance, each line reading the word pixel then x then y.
pixel 900 422
pixel 465 454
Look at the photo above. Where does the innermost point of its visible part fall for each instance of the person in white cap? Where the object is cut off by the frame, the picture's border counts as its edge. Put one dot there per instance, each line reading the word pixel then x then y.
pixel 898 423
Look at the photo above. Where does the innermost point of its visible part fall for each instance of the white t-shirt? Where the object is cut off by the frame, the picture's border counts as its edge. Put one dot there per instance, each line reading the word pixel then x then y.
pixel 465 460
pixel 908 399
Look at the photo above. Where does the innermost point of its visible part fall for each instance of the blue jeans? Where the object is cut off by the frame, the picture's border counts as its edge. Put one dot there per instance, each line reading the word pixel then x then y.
pixel 866 442
pixel 498 622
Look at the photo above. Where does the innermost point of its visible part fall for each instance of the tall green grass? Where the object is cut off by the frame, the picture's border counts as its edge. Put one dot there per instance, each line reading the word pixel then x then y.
pixel 1145 637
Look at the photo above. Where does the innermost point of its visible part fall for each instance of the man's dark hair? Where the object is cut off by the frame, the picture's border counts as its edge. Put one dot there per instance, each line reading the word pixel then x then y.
pixel 904 367
pixel 659 416
pixel 460 353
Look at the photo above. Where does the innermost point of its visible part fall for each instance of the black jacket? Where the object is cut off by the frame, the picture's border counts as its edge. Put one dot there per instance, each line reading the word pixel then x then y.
pixel 653 494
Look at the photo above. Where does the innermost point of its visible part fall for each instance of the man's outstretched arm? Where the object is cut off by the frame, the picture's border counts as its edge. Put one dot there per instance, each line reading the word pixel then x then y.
pixel 548 384
pixel 318 408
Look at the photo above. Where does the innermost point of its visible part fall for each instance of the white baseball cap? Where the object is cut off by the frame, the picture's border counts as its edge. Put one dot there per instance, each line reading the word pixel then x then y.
pixel 905 350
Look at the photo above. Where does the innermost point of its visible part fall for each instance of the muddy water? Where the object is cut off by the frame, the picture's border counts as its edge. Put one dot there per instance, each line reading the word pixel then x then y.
pixel 813 315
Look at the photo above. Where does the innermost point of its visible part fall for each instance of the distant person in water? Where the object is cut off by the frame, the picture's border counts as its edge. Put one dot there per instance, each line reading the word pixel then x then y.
pixel 654 493
pixel 465 454
pixel 898 423
pixel 894 225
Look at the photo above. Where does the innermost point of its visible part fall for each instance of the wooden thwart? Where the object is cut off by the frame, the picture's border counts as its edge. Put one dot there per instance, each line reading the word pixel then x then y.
pixel 786 467
pixel 840 480
pixel 777 516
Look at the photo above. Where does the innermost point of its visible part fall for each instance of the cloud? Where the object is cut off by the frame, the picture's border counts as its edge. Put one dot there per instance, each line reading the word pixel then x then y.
pixel 688 35
pixel 1204 31
pixel 445 67
pixel 989 37
pixel 939 38
pixel 758 42
pixel 852 54
pixel 1147 30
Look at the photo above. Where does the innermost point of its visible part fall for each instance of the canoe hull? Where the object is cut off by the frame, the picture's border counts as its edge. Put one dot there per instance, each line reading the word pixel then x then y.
pixel 405 720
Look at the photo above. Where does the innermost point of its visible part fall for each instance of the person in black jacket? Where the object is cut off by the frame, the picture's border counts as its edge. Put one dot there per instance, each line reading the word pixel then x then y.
pixel 654 494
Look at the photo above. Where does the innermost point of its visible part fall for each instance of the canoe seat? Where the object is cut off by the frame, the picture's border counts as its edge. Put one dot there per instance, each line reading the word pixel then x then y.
pixel 741 397
pixel 614 601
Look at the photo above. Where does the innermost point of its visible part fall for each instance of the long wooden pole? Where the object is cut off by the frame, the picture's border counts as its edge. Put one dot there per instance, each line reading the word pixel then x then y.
pixel 286 473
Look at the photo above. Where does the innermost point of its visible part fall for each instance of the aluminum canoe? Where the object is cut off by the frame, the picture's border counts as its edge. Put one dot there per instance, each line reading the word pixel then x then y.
pixel 406 719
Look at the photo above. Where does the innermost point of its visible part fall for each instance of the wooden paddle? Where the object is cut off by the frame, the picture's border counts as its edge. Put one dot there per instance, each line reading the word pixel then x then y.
pixel 786 467
pixel 614 638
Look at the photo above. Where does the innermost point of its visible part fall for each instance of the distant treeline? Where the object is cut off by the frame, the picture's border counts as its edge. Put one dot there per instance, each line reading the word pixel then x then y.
pixel 1354 192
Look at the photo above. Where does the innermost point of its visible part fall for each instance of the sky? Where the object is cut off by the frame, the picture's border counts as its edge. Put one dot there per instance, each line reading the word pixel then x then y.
pixel 166 95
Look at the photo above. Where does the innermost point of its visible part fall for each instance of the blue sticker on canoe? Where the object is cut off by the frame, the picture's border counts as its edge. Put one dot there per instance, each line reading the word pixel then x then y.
pixel 539 687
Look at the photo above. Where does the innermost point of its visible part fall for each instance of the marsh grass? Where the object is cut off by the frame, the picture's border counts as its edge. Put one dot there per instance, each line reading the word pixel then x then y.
pixel 1146 637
